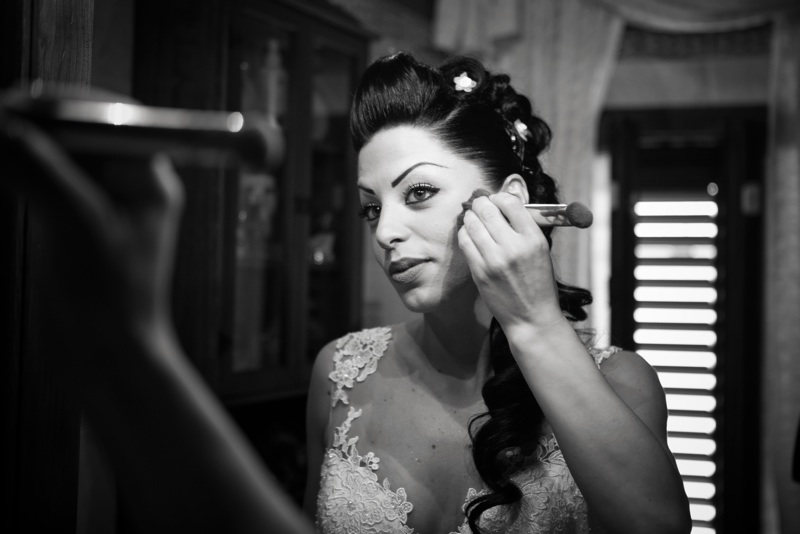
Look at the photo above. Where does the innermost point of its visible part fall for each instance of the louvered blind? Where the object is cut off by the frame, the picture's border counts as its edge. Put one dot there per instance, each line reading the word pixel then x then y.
pixel 675 295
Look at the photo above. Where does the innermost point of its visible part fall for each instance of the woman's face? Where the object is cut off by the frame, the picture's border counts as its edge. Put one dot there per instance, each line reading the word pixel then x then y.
pixel 411 188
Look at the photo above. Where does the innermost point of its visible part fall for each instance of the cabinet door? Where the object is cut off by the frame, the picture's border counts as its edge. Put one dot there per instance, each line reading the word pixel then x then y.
pixel 261 251
pixel 333 248
pixel 293 264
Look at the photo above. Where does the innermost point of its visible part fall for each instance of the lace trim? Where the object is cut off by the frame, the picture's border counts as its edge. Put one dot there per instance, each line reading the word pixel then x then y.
pixel 603 354
pixel 356 358
pixel 357 502
pixel 551 499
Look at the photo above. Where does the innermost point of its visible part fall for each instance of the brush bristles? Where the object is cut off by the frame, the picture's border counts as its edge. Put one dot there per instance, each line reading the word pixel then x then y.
pixel 579 215
pixel 468 205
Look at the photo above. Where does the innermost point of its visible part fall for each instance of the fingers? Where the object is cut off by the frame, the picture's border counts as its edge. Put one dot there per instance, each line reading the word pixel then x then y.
pixel 471 252
pixel 167 185
pixel 494 224
pixel 493 244
pixel 518 217
pixel 478 234
pixel 501 220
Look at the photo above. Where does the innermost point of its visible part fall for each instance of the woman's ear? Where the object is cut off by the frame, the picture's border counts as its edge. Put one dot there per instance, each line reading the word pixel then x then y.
pixel 514 184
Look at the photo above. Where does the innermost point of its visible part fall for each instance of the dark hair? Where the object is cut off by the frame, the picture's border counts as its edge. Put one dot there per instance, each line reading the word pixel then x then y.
pixel 479 126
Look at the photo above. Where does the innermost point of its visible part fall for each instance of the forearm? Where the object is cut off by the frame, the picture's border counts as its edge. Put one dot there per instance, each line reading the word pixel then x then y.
pixel 183 466
pixel 625 472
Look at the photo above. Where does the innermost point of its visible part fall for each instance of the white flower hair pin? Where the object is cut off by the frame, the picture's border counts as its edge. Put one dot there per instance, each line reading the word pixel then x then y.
pixel 522 129
pixel 464 83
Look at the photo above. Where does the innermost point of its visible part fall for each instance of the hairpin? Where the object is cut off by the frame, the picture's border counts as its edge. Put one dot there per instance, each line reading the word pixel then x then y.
pixel 517 133
pixel 522 129
pixel 464 83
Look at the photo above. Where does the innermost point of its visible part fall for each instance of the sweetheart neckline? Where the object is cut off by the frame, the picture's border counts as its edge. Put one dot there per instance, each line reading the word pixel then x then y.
pixel 344 449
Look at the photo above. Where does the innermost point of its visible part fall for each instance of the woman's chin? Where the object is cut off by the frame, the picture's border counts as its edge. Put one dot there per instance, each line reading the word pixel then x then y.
pixel 417 305
pixel 423 300
pixel 417 300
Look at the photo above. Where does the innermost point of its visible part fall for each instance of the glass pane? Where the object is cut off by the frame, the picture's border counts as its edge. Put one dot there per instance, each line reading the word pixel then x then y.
pixel 666 358
pixel 697 468
pixel 677 229
pixel 691 403
pixel 676 208
pixel 260 298
pixel 675 294
pixel 697 446
pixel 331 169
pixel 697 425
pixel 675 272
pixel 676 251
pixel 703 381
pixel 674 315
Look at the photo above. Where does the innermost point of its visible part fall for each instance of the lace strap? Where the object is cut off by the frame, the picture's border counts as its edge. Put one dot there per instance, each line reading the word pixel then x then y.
pixel 600 355
pixel 356 358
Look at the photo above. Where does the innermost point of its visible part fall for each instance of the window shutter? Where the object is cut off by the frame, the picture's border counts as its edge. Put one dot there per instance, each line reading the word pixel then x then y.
pixel 675 294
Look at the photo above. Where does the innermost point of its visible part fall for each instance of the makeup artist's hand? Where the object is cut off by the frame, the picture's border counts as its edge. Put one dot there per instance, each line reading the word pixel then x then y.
pixel 510 262
pixel 112 226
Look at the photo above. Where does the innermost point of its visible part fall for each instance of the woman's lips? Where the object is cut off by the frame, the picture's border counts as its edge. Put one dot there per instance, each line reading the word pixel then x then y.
pixel 405 270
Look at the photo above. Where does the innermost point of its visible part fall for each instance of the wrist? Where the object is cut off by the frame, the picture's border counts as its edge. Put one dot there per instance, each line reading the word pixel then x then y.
pixel 542 334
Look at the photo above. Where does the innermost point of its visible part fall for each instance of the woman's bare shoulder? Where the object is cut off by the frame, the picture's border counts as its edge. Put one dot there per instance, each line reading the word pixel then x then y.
pixel 627 368
pixel 379 336
pixel 323 364
pixel 368 344
pixel 319 390
pixel 635 381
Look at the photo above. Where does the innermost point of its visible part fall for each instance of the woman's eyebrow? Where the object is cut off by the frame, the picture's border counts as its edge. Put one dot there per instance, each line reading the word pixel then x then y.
pixel 408 170
pixel 403 175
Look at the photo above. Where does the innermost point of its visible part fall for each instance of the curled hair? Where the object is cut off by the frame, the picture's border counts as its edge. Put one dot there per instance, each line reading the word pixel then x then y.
pixel 479 126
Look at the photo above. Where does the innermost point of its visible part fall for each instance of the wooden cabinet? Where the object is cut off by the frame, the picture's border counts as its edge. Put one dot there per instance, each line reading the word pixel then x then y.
pixel 268 268
pixel 293 263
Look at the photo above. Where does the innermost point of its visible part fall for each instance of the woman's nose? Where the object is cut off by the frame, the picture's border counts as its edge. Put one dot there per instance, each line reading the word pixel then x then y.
pixel 391 229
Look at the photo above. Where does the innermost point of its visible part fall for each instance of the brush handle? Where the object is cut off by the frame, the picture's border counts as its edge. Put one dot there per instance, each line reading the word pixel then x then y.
pixel 574 214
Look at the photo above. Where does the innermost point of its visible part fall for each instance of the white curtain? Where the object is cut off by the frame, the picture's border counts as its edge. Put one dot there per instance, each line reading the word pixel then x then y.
pixel 698 15
pixel 562 53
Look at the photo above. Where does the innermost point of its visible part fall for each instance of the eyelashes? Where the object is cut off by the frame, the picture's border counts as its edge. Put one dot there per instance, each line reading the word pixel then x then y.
pixel 422 191
pixel 370 211
pixel 414 193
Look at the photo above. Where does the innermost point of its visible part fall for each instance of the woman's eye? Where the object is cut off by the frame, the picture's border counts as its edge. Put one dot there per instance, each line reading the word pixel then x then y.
pixel 419 193
pixel 369 212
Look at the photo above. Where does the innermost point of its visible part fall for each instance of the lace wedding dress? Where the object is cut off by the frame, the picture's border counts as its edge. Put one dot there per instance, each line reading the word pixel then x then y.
pixel 354 500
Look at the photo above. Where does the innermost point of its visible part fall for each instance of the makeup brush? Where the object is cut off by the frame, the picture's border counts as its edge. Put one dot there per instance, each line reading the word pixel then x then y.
pixel 573 214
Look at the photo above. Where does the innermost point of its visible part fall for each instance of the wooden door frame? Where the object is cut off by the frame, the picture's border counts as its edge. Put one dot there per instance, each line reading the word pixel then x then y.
pixel 39 416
